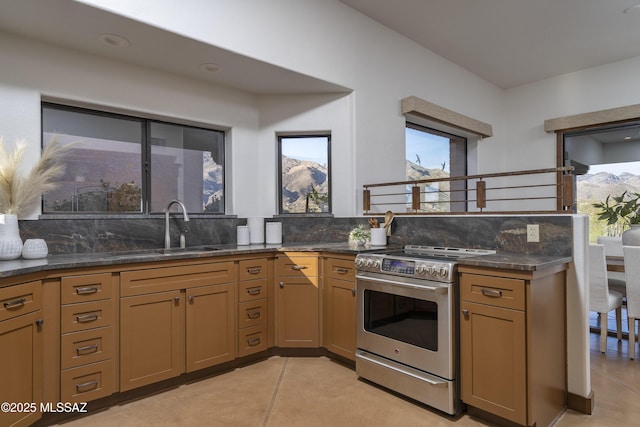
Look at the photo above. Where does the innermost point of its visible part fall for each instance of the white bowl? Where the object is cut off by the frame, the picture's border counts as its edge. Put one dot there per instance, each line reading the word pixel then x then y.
pixel 34 249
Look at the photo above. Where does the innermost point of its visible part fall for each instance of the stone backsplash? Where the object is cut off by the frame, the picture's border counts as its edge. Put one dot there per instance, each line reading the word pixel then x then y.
pixel 501 233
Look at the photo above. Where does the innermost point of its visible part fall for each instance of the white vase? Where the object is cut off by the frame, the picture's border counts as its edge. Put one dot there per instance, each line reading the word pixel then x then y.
pixel 631 237
pixel 10 241
pixel 35 249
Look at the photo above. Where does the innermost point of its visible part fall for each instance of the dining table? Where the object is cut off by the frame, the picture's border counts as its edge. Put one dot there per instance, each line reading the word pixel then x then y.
pixel 615 263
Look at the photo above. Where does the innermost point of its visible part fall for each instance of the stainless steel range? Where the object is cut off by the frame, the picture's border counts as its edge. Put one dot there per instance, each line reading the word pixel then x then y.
pixel 406 322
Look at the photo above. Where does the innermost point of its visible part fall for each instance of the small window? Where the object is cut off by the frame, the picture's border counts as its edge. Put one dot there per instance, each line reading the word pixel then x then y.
pixel 123 164
pixel 432 154
pixel 304 175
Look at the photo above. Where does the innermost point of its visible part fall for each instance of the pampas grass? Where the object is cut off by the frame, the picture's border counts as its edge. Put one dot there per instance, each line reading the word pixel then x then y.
pixel 20 194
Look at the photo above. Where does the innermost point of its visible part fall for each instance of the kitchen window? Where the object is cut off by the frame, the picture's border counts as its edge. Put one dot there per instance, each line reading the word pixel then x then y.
pixel 123 164
pixel 304 174
pixel 432 154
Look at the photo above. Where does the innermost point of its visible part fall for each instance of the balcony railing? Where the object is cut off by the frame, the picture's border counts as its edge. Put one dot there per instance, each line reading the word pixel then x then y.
pixel 537 191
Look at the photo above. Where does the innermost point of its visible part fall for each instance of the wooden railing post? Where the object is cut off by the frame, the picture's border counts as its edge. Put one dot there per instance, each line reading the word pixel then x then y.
pixel 415 198
pixel 481 194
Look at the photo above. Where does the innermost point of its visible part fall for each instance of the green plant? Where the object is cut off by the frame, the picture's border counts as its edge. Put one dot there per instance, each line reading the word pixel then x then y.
pixel 624 208
pixel 360 233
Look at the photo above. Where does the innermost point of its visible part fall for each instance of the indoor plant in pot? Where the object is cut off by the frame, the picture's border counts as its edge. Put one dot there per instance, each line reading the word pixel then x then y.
pixel 623 209
pixel 20 194
pixel 359 235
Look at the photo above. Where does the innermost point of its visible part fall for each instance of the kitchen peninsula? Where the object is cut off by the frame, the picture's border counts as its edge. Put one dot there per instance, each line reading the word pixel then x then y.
pixel 93 317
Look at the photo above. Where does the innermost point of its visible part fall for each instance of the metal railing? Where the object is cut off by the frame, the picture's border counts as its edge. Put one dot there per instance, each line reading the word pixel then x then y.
pixel 544 190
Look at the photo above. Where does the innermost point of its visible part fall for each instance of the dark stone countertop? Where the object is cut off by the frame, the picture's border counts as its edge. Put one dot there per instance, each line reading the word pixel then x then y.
pixel 57 262
pixel 520 262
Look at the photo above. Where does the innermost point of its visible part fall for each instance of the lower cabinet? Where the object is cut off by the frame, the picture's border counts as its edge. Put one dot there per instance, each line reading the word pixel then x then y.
pixel 167 333
pixel 339 317
pixel 21 334
pixel 512 344
pixel 297 300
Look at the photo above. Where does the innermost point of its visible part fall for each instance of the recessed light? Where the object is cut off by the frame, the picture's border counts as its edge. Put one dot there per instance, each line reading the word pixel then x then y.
pixel 627 137
pixel 632 10
pixel 114 40
pixel 210 67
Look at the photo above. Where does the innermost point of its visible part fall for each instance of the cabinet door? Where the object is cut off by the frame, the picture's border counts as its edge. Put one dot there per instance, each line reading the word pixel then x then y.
pixel 210 326
pixel 341 317
pixel 493 360
pixel 297 311
pixel 21 367
pixel 151 338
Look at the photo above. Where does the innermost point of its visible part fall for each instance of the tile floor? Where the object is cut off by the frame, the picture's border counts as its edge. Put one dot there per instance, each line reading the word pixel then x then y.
pixel 308 391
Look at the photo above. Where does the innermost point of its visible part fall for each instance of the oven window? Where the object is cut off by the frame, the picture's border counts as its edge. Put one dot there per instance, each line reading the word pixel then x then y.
pixel 410 320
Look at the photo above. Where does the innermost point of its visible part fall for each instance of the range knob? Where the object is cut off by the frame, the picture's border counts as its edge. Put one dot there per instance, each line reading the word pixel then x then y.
pixel 376 264
pixel 421 270
pixel 369 263
pixel 359 262
pixel 432 270
pixel 443 271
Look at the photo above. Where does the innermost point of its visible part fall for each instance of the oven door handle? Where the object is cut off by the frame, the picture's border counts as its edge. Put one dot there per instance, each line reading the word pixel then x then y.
pixel 437 289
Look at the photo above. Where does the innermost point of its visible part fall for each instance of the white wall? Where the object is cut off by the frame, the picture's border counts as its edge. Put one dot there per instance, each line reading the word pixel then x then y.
pixel 330 41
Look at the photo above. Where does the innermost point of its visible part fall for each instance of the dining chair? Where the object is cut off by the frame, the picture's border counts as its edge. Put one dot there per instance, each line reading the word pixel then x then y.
pixel 601 298
pixel 613 247
pixel 632 271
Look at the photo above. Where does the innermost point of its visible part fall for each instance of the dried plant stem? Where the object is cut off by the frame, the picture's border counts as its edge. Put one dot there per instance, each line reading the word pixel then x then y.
pixel 18 194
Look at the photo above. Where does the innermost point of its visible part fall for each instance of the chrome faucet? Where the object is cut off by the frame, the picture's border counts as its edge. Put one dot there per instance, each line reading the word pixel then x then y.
pixel 167 237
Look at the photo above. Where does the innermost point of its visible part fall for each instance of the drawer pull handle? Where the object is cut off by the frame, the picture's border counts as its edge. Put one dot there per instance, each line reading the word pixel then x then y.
pixel 254 270
pixel 254 314
pixel 15 303
pixel 252 342
pixel 86 318
pixel 88 386
pixel 254 291
pixel 298 267
pixel 492 293
pixel 88 349
pixel 86 291
pixel 342 270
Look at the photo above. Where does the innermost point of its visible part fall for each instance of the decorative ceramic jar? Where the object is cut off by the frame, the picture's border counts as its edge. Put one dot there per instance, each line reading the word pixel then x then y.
pixel 34 249
pixel 10 241
pixel 631 237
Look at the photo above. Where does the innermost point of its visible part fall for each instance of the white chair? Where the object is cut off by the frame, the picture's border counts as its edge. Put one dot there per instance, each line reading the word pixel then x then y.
pixel 632 271
pixel 613 247
pixel 601 298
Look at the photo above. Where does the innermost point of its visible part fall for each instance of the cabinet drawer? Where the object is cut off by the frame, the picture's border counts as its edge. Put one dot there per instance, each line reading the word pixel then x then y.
pixel 252 340
pixel 166 279
pixel 90 287
pixel 87 315
pixel 20 299
pixel 340 269
pixel 297 266
pixel 495 291
pixel 87 383
pixel 252 290
pixel 252 269
pixel 252 313
pixel 81 348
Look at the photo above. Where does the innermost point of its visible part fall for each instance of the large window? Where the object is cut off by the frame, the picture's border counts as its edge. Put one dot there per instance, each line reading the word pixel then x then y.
pixel 434 154
pixel 124 164
pixel 304 178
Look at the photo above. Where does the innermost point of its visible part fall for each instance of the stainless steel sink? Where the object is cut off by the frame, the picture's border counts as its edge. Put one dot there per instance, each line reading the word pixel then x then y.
pixel 162 251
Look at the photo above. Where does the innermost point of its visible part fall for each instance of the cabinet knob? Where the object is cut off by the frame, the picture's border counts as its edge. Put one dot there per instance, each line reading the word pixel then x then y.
pixel 191 299
pixel 353 291
pixel 40 322
pixel 176 300
pixel 281 285
pixel 465 313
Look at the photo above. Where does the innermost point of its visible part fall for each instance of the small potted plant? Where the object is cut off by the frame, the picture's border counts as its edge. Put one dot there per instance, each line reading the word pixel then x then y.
pixel 623 209
pixel 360 235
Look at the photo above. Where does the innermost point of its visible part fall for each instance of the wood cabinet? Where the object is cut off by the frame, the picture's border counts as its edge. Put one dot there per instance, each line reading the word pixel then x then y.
pixel 176 319
pixel 88 326
pixel 253 306
pixel 339 285
pixel 21 351
pixel 512 343
pixel 297 300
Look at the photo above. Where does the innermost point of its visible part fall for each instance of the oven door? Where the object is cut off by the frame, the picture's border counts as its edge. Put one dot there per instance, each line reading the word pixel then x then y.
pixel 408 323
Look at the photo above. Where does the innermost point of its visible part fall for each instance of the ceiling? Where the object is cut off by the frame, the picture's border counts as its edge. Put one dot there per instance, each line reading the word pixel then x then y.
pixel 514 42
pixel 77 26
